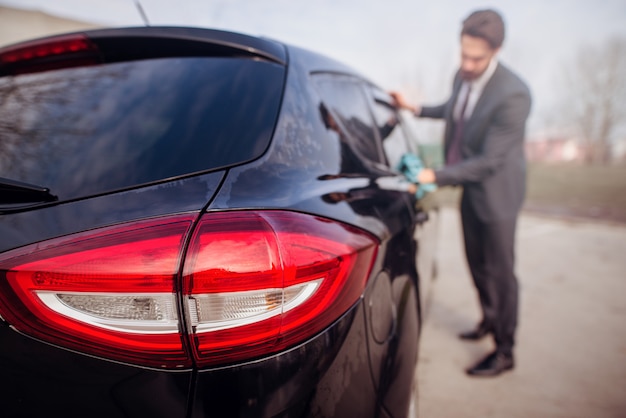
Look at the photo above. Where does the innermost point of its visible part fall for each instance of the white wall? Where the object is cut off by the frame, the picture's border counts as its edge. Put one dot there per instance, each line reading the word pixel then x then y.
pixel 20 25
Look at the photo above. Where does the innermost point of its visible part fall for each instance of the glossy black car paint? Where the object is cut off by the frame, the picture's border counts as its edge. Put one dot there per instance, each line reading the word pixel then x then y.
pixel 362 365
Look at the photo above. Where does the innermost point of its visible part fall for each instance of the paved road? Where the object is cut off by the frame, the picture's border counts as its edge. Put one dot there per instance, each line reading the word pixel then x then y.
pixel 571 350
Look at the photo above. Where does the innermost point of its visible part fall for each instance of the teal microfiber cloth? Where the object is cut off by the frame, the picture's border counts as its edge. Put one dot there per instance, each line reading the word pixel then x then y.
pixel 411 165
pixel 423 189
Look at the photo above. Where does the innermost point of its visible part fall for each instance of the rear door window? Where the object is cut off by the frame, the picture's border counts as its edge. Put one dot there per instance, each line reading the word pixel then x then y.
pixel 347 103
pixel 389 124
pixel 89 130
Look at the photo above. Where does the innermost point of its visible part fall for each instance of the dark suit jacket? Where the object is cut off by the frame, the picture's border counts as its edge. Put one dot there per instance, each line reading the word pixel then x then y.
pixel 493 167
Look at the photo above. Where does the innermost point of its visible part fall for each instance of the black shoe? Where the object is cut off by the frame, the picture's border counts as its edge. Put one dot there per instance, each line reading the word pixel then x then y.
pixel 492 365
pixel 475 334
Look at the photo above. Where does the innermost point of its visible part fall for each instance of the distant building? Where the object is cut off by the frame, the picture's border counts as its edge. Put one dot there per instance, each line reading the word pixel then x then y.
pixel 552 150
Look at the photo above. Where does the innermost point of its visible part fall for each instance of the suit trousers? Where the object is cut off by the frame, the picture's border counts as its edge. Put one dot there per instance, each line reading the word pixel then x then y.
pixel 490 251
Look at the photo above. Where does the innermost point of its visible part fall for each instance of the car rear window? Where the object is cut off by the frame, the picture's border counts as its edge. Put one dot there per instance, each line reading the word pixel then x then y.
pixel 89 130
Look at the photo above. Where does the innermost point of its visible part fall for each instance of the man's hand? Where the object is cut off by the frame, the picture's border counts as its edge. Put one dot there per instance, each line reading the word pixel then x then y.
pixel 426 176
pixel 401 103
pixel 398 99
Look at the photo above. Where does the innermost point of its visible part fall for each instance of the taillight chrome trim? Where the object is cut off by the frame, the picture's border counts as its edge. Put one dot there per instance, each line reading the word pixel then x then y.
pixel 167 326
pixel 286 299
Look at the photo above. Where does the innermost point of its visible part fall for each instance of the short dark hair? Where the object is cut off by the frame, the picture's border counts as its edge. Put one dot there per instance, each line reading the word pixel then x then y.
pixel 487 25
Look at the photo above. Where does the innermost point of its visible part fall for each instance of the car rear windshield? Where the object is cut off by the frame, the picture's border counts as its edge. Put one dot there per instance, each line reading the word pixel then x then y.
pixel 89 130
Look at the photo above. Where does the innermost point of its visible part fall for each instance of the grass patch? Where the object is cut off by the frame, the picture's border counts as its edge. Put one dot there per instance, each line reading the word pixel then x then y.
pixel 594 191
pixel 589 191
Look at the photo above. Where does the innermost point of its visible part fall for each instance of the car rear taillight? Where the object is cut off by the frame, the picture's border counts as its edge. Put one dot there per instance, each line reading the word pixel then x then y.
pixel 250 283
pixel 49 53
pixel 258 282
pixel 109 292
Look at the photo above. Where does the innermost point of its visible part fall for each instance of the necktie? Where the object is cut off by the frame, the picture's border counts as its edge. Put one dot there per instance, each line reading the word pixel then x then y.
pixel 454 150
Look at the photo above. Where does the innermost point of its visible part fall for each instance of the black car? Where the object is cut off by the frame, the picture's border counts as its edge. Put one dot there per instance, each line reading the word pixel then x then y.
pixel 192 224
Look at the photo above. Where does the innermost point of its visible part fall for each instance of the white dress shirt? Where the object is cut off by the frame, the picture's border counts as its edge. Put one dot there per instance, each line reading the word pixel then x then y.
pixel 477 87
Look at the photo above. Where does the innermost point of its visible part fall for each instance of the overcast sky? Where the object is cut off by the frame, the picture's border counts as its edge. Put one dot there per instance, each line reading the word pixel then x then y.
pixel 410 45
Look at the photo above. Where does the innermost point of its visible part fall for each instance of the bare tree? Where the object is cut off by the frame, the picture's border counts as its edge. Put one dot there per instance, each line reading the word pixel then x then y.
pixel 595 97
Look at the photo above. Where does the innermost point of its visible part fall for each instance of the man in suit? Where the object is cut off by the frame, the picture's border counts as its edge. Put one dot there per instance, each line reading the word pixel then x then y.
pixel 484 147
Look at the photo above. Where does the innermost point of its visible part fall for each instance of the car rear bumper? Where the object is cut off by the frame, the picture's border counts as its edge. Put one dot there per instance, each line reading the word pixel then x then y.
pixel 328 375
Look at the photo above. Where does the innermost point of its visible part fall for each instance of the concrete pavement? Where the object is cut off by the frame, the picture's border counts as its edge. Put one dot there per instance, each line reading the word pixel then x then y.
pixel 571 340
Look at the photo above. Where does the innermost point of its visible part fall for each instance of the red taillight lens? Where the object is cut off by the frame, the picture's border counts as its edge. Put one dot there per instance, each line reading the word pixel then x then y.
pixel 253 283
pixel 49 53
pixel 258 282
pixel 109 292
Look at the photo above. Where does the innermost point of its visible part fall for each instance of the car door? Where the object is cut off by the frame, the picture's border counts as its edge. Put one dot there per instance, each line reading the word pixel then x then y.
pixel 392 312
pixel 396 142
